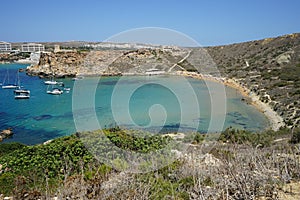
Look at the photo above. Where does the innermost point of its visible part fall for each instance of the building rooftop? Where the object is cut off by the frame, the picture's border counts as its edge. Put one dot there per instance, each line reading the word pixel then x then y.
pixel 31 43
pixel 2 42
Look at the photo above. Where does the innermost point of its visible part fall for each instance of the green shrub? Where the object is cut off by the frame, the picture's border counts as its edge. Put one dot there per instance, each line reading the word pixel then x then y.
pixel 7 183
pixel 10 147
pixel 51 160
pixel 194 138
pixel 136 141
pixel 187 182
pixel 68 155
pixel 296 136
pixel 262 139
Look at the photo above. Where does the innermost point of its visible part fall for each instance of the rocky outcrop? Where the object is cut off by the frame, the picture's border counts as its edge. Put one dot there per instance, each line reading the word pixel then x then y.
pixel 5 133
pixel 59 64
pixel 104 62
pixel 13 57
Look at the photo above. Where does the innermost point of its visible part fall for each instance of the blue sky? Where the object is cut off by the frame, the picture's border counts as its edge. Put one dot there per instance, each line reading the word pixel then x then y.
pixel 211 22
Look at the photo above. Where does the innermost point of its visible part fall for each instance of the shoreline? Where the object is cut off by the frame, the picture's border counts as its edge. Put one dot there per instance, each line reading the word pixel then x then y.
pixel 275 120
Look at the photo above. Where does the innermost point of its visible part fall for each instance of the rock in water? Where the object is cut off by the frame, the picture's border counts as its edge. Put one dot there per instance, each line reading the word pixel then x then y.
pixel 5 133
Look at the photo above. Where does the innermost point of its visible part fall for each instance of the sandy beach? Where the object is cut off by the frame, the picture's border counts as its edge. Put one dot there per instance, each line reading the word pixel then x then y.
pixel 275 120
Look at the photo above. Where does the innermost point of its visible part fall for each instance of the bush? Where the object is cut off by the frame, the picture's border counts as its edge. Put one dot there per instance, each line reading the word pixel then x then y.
pixel 10 147
pixel 7 183
pixel 296 136
pixel 136 141
pixel 63 155
pixel 194 138
pixel 236 136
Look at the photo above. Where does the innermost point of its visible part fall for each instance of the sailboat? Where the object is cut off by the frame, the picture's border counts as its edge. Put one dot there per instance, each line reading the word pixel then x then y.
pixel 56 90
pixel 21 93
pixel 8 85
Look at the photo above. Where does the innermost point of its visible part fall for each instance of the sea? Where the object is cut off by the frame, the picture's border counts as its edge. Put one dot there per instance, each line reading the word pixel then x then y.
pixel 158 104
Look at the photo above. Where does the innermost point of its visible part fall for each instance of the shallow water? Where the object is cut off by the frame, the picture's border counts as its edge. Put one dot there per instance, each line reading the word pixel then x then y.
pixel 158 103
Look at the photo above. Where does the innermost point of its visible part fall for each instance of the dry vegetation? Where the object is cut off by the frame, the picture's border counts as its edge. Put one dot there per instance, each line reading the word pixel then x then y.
pixel 233 168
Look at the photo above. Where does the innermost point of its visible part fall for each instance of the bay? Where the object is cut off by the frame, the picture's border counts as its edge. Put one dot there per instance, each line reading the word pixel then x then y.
pixel 153 103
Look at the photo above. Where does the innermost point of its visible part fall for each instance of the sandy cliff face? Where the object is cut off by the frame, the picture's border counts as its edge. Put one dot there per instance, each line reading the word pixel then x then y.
pixel 58 64
pixel 63 64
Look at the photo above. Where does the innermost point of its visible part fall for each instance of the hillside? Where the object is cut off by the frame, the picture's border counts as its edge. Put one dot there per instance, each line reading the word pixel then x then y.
pixel 269 67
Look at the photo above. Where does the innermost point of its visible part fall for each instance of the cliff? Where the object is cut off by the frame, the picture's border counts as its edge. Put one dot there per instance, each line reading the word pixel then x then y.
pixel 61 64
pixel 105 62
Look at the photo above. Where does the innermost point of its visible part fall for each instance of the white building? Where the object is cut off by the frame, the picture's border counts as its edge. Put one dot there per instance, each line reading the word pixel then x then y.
pixel 32 47
pixel 112 45
pixel 5 46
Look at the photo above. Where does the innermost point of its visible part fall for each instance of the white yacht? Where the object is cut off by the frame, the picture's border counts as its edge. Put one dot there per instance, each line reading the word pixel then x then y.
pixel 6 84
pixel 51 82
pixel 22 94
pixel 154 71
pixel 55 91
pixel 9 86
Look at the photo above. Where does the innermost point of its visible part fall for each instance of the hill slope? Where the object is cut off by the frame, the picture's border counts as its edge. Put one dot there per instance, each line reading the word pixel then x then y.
pixel 269 67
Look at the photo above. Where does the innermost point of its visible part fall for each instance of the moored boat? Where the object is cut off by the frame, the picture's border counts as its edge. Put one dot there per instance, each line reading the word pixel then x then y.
pixel 22 94
pixel 8 85
pixel 19 90
pixel 154 71
pixel 55 91
pixel 51 82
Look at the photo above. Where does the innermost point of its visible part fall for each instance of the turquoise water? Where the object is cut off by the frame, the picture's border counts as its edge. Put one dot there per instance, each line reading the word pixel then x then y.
pixel 148 101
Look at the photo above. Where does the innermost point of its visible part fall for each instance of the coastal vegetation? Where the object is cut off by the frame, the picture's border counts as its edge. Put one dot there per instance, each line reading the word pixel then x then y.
pixel 241 165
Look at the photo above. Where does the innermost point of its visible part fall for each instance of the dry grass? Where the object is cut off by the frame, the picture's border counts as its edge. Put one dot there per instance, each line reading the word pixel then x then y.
pixel 228 171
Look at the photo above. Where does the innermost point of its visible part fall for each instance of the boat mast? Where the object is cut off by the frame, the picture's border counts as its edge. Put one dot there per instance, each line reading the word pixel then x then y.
pixel 7 76
pixel 17 82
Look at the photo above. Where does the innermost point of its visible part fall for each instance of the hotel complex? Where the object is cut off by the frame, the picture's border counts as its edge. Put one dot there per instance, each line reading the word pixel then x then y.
pixel 5 46
pixel 32 47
